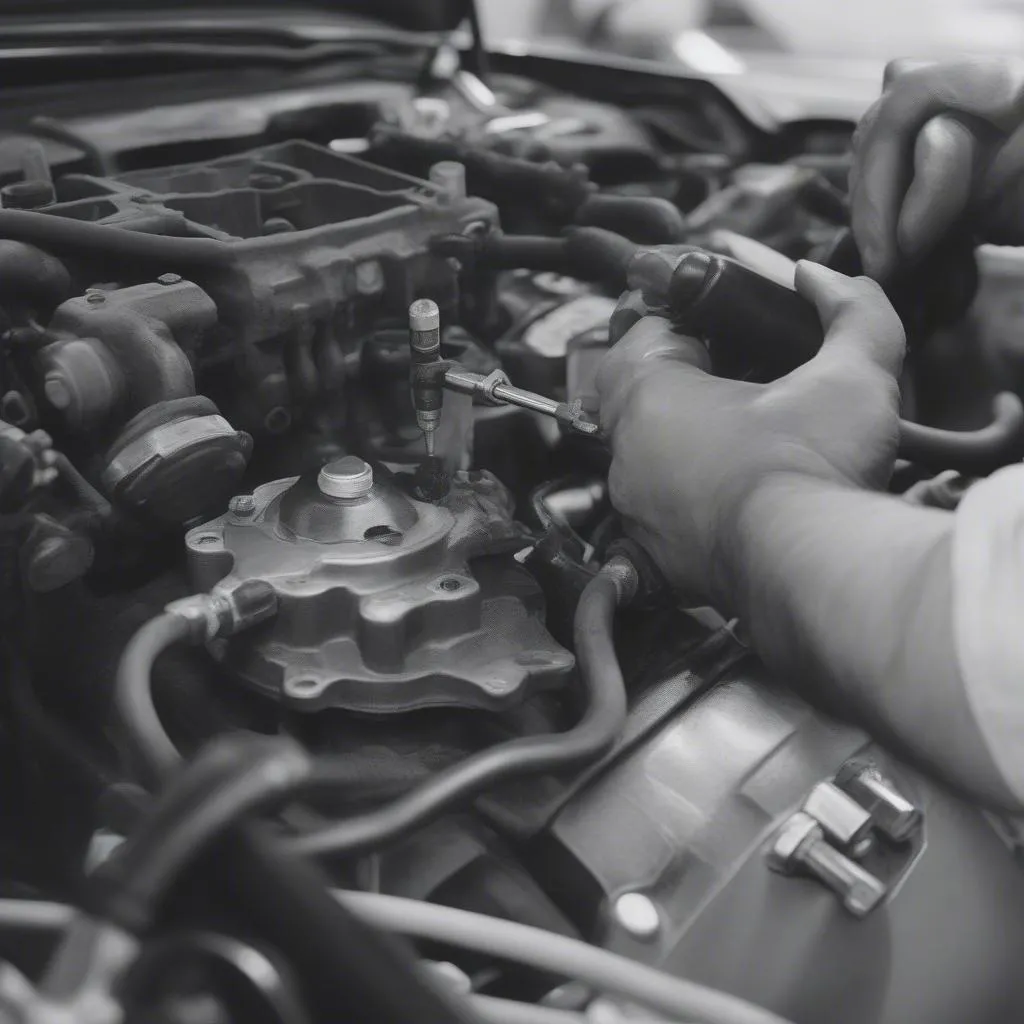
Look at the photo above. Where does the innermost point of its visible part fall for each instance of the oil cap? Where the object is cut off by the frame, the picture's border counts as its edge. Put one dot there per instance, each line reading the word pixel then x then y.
pixel 349 478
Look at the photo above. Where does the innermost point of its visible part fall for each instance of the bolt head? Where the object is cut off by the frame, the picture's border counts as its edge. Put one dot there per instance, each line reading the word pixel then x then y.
pixel 242 505
pixel 169 279
pixel 369 278
pixel 95 298
pixel 637 915
pixel 798 830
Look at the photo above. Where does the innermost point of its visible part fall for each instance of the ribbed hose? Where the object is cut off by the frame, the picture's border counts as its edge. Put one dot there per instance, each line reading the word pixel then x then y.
pixel 593 736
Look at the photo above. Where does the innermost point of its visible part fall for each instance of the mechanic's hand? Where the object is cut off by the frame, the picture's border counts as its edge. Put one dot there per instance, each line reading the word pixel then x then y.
pixel 688 449
pixel 944 143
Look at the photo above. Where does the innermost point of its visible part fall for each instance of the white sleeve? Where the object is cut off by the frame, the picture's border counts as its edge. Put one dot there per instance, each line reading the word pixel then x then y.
pixel 988 614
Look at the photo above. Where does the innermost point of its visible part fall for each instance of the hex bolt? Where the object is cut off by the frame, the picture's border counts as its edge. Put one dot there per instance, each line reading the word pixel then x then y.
pixel 242 505
pixel 843 820
pixel 893 814
pixel 800 847
pixel 637 915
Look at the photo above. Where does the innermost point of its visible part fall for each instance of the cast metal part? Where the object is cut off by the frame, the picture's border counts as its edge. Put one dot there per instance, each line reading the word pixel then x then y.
pixel 891 812
pixel 377 608
pixel 800 847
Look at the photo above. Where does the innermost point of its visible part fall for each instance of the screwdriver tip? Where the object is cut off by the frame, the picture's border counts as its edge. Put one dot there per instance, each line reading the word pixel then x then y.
pixel 428 440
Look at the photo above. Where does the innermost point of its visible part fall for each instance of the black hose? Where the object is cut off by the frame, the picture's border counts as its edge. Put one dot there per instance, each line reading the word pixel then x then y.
pixel 649 220
pixel 232 777
pixel 150 750
pixel 347 970
pixel 64 234
pixel 972 452
pixel 590 739
pixel 533 252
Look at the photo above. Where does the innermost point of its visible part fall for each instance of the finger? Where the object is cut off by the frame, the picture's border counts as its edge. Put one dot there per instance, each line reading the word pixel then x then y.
pixel 944 159
pixel 857 317
pixel 989 90
pixel 647 348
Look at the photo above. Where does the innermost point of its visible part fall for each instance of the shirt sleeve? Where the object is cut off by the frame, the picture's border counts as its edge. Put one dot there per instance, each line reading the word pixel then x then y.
pixel 988 614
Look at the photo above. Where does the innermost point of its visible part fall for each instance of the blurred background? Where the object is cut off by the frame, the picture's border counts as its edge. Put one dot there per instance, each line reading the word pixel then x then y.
pixel 801 58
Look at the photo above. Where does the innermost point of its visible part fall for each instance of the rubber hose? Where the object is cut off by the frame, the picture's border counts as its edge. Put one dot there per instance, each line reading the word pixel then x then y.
pixel 63 234
pixel 648 220
pixel 348 970
pixel 973 452
pixel 678 998
pixel 534 252
pixel 231 778
pixel 149 747
pixel 590 739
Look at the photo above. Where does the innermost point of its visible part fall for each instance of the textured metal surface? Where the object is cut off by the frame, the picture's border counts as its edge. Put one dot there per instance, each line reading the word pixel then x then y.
pixel 379 609
pixel 322 244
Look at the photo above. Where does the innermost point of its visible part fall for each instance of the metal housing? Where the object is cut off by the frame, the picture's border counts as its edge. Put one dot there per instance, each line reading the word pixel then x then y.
pixel 379 611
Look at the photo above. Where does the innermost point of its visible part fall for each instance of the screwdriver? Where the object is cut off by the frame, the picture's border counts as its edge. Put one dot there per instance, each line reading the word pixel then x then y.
pixel 430 375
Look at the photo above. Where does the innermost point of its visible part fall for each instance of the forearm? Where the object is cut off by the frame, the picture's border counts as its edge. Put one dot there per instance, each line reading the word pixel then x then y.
pixel 852 591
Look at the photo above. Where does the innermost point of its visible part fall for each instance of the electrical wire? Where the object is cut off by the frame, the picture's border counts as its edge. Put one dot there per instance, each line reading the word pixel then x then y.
pixel 552 953
pixel 590 739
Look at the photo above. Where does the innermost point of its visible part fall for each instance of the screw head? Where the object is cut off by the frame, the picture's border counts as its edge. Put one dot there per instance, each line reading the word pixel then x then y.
pixel 637 915
pixel 95 298
pixel 169 279
pixel 242 505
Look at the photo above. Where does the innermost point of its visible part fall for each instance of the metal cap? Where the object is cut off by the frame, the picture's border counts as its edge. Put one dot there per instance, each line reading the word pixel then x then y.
pixel 349 477
pixel 424 315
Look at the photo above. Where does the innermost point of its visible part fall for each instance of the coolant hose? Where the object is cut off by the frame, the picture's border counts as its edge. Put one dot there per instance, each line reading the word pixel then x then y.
pixel 348 970
pixel 150 749
pixel 66 235
pixel 590 739
pixel 649 220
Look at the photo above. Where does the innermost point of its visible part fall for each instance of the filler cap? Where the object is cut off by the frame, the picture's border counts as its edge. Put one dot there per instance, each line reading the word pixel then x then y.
pixel 349 478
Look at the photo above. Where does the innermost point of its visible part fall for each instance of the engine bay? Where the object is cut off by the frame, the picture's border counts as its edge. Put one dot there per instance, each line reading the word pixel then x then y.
pixel 300 458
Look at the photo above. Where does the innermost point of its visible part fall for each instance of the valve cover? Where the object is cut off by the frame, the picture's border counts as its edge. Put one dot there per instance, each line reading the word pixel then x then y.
pixel 379 609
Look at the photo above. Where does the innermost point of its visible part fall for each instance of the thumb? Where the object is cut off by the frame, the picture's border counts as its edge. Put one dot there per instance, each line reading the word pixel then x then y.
pixel 857 317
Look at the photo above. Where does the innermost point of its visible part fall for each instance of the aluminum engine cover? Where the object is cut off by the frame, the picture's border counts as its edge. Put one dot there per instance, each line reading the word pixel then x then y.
pixel 379 610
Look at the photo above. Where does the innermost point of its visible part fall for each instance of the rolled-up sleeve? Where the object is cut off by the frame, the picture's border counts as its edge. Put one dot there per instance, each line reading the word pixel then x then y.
pixel 988 614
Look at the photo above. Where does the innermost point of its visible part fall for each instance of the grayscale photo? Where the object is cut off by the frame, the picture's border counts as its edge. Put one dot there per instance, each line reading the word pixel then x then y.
pixel 511 512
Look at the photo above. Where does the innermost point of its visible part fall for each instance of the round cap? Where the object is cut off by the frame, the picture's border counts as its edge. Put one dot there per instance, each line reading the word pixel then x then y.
pixel 349 477
pixel 424 315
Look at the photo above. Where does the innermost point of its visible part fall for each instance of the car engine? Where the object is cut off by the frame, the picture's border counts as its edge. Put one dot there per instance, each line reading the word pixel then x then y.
pixel 302 480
